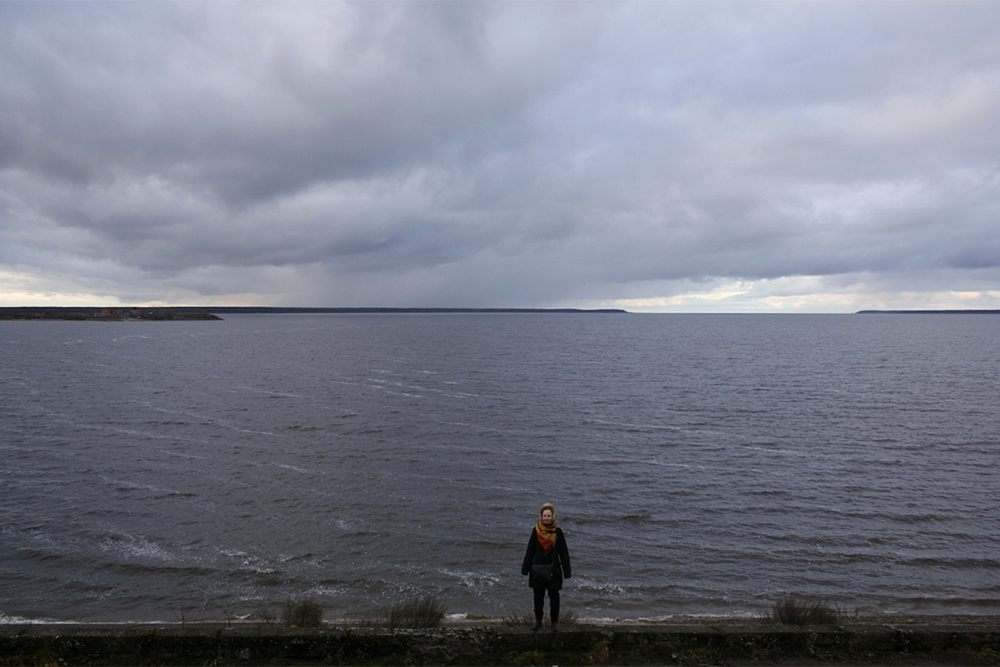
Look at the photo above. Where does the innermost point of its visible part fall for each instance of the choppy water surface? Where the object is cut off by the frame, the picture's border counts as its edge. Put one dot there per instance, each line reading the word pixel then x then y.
pixel 700 463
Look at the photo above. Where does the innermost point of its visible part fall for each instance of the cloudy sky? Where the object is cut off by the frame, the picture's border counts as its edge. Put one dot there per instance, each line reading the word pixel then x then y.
pixel 678 156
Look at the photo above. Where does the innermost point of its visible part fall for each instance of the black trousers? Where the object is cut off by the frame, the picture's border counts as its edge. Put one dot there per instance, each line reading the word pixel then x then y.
pixel 553 603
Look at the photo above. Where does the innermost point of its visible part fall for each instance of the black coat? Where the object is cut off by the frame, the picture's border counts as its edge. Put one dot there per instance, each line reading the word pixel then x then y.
pixel 559 556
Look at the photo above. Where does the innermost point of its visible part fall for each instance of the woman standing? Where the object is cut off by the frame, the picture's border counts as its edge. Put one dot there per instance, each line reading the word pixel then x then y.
pixel 546 562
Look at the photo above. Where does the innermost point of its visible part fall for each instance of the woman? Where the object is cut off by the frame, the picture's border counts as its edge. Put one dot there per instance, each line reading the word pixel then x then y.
pixel 546 562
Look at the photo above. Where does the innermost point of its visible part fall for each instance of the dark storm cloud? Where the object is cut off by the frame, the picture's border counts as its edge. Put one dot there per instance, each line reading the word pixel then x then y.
pixel 452 153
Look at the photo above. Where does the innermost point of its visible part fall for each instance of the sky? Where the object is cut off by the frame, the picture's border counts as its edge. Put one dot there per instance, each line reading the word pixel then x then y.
pixel 799 156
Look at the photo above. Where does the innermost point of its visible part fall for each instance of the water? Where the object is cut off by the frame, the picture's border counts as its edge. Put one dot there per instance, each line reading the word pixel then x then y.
pixel 700 463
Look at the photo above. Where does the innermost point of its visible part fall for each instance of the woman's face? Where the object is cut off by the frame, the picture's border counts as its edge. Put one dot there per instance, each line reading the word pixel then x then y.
pixel 546 517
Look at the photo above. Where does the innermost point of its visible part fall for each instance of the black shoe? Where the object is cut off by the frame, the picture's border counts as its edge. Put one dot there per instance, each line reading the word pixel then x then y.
pixel 537 626
pixel 555 628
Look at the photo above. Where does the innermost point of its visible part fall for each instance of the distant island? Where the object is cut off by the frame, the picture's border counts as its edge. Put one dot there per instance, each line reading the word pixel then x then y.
pixel 106 314
pixel 188 313
pixel 928 312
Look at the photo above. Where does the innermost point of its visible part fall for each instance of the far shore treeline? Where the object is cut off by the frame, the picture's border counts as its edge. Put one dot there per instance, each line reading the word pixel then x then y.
pixel 160 313
pixel 116 314
pixel 120 313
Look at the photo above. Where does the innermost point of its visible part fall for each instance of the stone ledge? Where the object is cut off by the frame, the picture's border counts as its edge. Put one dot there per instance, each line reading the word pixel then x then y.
pixel 618 644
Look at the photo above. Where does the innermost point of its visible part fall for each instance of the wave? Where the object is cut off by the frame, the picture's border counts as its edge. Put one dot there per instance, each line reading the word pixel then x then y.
pixel 361 463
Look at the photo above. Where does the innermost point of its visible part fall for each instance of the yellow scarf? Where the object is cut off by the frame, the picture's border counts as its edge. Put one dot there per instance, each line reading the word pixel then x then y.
pixel 546 535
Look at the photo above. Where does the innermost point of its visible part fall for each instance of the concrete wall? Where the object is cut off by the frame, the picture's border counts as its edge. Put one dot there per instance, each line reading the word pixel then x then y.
pixel 581 645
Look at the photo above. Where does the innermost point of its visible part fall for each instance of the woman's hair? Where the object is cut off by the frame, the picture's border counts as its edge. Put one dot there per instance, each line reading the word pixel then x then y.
pixel 547 506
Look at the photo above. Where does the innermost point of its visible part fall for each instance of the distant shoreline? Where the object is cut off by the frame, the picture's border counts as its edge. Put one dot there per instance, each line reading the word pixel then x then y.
pixel 73 314
pixel 119 314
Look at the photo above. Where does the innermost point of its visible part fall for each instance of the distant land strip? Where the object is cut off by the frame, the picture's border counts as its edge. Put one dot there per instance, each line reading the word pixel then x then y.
pixel 128 313
pixel 97 314
pixel 928 312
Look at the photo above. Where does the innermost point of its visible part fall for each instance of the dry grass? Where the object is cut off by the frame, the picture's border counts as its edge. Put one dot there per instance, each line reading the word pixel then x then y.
pixel 302 614
pixel 567 618
pixel 426 611
pixel 790 611
pixel 518 620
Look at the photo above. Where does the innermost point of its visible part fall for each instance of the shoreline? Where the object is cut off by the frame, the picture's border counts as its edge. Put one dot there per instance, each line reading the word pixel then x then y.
pixel 462 619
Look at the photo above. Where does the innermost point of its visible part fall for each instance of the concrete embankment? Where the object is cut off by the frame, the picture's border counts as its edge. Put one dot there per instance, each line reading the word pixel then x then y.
pixel 877 644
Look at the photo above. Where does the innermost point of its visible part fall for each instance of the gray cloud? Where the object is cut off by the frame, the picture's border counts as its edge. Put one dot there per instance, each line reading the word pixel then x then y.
pixel 681 155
